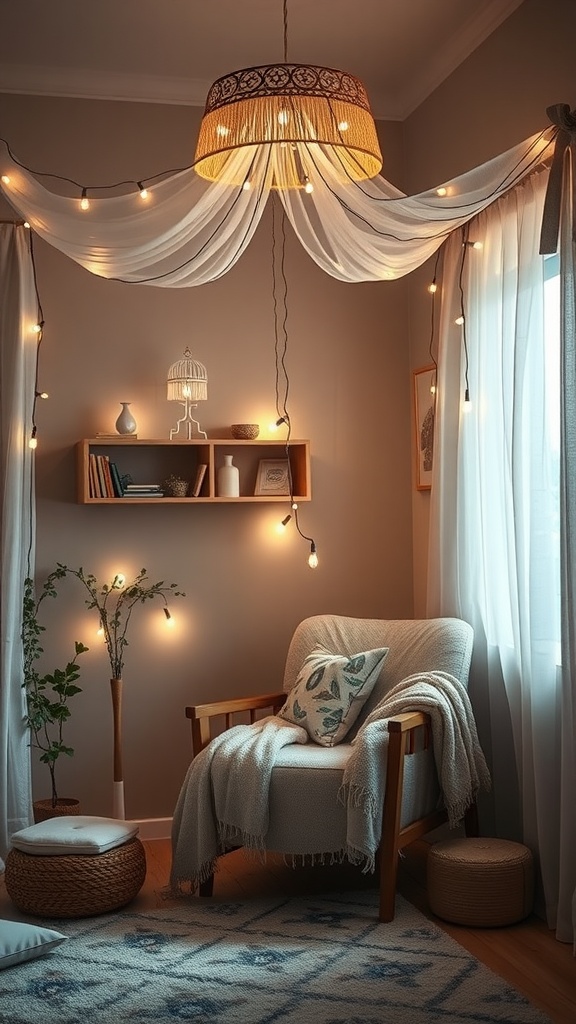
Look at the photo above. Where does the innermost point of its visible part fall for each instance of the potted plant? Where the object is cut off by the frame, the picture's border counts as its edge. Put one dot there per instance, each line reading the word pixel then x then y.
pixel 48 696
pixel 115 603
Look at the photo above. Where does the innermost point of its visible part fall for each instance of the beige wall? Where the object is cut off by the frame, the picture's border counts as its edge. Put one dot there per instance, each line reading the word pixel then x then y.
pixel 246 589
pixel 493 101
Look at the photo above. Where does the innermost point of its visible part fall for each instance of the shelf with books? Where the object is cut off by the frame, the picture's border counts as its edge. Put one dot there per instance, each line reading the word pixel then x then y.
pixel 115 470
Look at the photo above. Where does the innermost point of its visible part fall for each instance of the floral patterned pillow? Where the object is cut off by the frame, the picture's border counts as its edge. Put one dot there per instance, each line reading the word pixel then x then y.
pixel 330 692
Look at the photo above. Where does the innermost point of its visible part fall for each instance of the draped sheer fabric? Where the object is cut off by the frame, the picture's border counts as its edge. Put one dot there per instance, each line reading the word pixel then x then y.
pixel 191 231
pixel 497 526
pixel 18 314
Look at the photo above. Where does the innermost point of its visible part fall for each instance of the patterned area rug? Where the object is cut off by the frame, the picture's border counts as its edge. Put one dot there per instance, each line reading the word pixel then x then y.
pixel 322 959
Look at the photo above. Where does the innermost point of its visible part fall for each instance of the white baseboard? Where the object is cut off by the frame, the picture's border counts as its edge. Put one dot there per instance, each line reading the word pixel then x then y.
pixel 154 828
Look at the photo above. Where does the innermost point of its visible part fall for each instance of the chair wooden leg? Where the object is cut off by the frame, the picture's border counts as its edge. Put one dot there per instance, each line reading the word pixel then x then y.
pixel 206 888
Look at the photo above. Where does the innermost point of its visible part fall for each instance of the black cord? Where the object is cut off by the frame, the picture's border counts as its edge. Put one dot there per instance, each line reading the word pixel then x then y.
pixel 465 246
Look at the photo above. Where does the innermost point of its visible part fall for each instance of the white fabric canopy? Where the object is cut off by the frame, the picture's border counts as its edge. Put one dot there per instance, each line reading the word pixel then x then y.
pixel 190 231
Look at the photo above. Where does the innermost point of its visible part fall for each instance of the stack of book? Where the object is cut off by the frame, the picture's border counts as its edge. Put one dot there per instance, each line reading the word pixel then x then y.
pixel 104 478
pixel 143 491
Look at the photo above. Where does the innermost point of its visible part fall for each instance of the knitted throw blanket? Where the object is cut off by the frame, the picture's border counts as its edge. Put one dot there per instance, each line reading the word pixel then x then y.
pixel 460 763
pixel 223 801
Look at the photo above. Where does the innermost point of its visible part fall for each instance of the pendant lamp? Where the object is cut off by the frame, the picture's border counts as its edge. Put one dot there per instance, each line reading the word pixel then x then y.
pixel 288 108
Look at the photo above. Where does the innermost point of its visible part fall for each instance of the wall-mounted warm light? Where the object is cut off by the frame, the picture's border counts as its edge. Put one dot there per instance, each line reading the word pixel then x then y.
pixel 169 619
pixel 118 581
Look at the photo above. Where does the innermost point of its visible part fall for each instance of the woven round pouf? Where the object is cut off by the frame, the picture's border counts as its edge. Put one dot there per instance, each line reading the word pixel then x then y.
pixel 482 883
pixel 75 885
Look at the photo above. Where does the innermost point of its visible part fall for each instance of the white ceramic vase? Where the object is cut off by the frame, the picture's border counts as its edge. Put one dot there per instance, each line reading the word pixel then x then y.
pixel 125 424
pixel 228 479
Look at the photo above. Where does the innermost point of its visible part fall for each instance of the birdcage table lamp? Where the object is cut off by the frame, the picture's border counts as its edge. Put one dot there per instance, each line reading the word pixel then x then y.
pixel 187 383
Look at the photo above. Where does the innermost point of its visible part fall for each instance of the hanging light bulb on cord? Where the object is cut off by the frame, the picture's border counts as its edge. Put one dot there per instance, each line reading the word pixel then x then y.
pixel 313 557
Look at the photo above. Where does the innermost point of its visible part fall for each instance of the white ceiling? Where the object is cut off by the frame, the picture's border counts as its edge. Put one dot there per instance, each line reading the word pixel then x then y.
pixel 172 50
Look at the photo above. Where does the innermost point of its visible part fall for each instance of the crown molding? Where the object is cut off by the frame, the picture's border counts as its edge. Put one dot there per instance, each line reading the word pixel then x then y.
pixel 459 46
pixel 80 83
pixel 98 85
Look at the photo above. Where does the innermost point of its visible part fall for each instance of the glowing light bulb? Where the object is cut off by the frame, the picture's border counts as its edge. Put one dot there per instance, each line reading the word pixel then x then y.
pixel 282 526
pixel 274 426
pixel 459 320
pixel 42 394
pixel 26 224
pixel 308 187
pixel 100 630
pixel 222 130
pixel 433 287
pixel 144 193
pixel 294 505
pixel 5 179
pixel 247 185
pixel 477 245
pixel 37 328
pixel 442 191
pixel 283 117
pixel 84 202
pixel 118 581
pixel 169 619
pixel 187 391
pixel 313 557
pixel 343 126
pixel 33 442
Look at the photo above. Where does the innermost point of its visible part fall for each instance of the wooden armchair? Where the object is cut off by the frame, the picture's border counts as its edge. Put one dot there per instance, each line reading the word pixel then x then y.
pixel 409 811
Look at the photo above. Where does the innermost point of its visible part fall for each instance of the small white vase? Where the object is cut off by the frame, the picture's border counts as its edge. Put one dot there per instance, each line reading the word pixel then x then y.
pixel 125 424
pixel 228 479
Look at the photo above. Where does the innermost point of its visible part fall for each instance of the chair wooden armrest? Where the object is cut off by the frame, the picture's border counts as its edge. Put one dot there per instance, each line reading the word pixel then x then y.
pixel 201 715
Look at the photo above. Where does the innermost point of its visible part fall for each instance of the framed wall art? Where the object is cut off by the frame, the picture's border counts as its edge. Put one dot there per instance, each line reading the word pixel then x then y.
pixel 273 477
pixel 424 412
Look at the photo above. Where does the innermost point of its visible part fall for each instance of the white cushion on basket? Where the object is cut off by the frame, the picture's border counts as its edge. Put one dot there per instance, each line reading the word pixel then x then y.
pixel 20 942
pixel 73 834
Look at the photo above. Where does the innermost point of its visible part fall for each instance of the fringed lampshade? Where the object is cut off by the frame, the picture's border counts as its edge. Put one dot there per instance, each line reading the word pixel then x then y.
pixel 187 382
pixel 291 106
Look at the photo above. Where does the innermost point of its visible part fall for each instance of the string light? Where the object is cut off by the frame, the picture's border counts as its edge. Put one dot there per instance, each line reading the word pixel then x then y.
pixel 118 581
pixel 442 191
pixel 169 619
pixel 42 394
pixel 84 201
pixel 433 287
pixel 308 186
pixel 274 426
pixel 144 193
pixel 313 557
pixel 5 179
pixel 459 320
pixel 282 526
pixel 33 442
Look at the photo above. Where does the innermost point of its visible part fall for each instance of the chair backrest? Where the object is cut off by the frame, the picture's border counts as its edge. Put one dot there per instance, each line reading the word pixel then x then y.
pixel 415 645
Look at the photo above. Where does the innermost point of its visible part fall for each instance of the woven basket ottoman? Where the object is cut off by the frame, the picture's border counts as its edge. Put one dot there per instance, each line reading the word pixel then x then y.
pixel 482 883
pixel 75 866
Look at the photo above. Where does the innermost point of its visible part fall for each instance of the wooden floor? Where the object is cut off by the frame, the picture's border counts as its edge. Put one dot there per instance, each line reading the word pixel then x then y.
pixel 526 954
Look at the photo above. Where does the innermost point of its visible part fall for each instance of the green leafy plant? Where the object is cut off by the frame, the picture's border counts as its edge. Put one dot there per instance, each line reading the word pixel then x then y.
pixel 115 603
pixel 48 695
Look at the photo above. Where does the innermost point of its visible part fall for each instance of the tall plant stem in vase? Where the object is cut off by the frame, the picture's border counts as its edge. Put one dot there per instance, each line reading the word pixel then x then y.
pixel 115 603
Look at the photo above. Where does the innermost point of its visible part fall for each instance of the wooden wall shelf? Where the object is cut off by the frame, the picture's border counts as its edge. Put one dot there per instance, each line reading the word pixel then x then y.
pixel 152 461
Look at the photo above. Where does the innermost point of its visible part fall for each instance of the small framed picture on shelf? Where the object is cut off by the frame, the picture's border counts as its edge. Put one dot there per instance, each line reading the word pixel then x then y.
pixel 424 412
pixel 273 477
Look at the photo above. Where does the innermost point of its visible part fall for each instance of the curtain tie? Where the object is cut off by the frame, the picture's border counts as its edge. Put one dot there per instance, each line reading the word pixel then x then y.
pixel 565 121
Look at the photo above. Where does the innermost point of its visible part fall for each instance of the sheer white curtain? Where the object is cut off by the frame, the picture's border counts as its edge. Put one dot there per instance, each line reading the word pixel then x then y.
pixel 495 531
pixel 18 314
